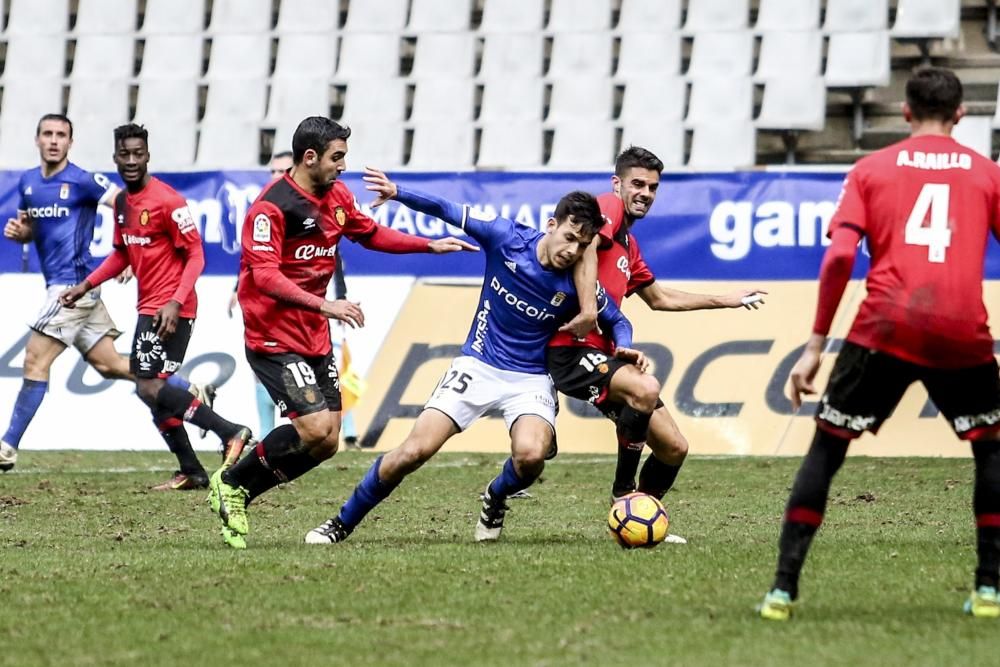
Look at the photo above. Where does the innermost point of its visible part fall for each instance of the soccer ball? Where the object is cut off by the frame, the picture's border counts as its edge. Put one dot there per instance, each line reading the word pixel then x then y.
pixel 638 520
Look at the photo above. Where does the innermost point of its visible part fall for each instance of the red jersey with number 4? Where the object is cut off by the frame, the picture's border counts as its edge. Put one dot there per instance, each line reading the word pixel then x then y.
pixel 926 206
pixel 158 234
pixel 289 229
pixel 621 269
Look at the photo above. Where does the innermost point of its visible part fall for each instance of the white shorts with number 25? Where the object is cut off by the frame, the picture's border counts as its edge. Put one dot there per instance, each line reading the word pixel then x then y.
pixel 471 388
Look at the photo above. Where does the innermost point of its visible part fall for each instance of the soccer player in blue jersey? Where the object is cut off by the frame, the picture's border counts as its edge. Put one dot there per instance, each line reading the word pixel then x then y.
pixel 57 209
pixel 528 291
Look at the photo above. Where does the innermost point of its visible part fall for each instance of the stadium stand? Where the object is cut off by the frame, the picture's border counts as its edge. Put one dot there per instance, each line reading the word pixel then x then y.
pixel 548 68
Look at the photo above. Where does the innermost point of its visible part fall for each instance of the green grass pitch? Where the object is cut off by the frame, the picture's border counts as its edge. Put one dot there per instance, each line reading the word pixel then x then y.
pixel 96 570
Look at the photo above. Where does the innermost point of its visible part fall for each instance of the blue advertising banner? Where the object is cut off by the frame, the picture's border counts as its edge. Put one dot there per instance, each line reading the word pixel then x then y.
pixel 759 225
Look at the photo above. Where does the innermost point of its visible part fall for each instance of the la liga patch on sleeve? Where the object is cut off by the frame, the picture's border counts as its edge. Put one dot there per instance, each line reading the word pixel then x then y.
pixel 262 229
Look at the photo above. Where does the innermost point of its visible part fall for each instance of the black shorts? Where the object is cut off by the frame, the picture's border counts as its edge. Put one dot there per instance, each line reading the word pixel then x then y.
pixel 866 386
pixel 155 358
pixel 585 373
pixel 298 385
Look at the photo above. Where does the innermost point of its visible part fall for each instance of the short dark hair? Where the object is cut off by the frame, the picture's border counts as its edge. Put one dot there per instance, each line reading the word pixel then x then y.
pixel 54 116
pixel 316 132
pixel 131 131
pixel 584 209
pixel 281 154
pixel 933 93
pixel 636 156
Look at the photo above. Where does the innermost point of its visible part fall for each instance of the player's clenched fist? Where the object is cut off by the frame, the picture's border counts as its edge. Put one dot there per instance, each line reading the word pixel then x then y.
pixel 633 356
pixel 17 229
pixel 69 296
pixel 345 311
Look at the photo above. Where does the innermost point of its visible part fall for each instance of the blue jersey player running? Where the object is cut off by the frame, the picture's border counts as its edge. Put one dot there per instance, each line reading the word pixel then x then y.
pixel 528 291
pixel 57 209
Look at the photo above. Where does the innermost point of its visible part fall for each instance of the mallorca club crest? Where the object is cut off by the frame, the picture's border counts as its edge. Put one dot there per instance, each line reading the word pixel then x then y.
pixel 341 215
pixel 144 218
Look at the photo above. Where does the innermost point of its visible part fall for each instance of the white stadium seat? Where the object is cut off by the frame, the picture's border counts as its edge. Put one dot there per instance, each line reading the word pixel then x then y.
pixel 513 55
pixel 375 144
pixel 107 98
pixel 975 132
pixel 24 102
pixel 512 99
pixel 937 19
pixel 721 54
pixel 174 17
pixel 443 99
pixel 664 139
pixel 291 100
pixel 587 53
pixel 510 145
pixel 717 15
pixel 104 57
pixel 240 99
pixel 720 99
pixel 106 17
pixel 436 16
pixel 647 15
pixel 579 15
pixel 645 54
pixel 856 15
pixel 787 15
pixel 30 56
pixel 368 54
pixel 38 17
pixel 172 57
pixel 172 142
pixel 722 146
pixel 240 16
pixel 244 55
pixel 447 54
pixel 512 16
pixel 790 54
pixel 583 145
pixel 378 16
pixel 793 104
pixel 308 16
pixel 581 98
pixel 176 99
pixel 306 54
pixel 858 59
pixel 372 99
pixel 661 98
pixel 442 145
pixel 227 144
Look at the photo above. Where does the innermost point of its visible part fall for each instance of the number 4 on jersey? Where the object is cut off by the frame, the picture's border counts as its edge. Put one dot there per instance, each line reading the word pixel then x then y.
pixel 936 235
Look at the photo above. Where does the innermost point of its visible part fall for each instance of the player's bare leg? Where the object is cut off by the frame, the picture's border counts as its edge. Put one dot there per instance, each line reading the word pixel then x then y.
pixel 530 439
pixel 669 449
pixel 39 354
pixel 639 392
pixel 432 429
pixel 107 361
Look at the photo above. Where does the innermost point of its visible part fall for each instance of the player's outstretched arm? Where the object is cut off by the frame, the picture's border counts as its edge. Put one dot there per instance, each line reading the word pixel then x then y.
pixel 585 280
pixel 660 297
pixel 613 319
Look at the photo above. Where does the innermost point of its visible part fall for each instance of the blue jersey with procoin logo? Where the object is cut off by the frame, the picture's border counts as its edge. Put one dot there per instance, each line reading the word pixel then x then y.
pixel 63 209
pixel 522 303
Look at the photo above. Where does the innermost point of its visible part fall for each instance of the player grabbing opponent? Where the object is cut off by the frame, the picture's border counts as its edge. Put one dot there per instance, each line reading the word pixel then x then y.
pixel 57 209
pixel 926 207
pixel 156 236
pixel 528 291
pixel 290 238
pixel 585 368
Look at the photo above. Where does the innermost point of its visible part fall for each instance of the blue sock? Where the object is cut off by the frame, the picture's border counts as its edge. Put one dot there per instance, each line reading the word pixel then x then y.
pixel 179 382
pixel 367 494
pixel 265 409
pixel 508 481
pixel 28 399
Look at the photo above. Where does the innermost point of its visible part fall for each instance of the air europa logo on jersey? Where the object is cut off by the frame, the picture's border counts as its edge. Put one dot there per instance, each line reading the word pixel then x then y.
pixel 308 252
pixel 518 303
pixel 136 240
pixel 52 211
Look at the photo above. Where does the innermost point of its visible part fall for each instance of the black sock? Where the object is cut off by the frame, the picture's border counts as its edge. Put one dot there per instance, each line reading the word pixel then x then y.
pixel 632 428
pixel 280 457
pixel 172 430
pixel 986 506
pixel 806 505
pixel 180 403
pixel 656 477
